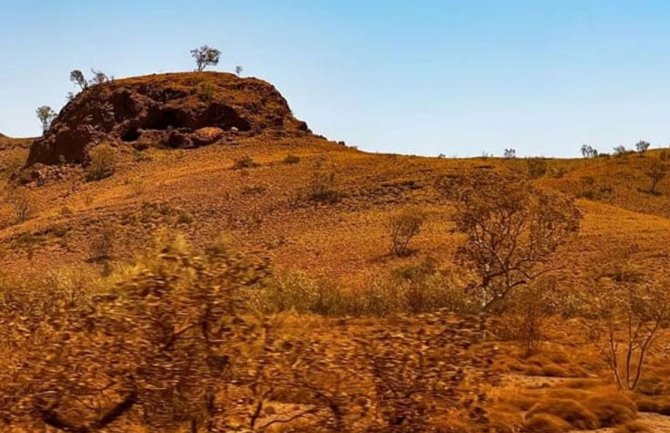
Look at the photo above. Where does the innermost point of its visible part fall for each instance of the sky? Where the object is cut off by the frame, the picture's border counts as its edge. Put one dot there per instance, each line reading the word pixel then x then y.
pixel 424 77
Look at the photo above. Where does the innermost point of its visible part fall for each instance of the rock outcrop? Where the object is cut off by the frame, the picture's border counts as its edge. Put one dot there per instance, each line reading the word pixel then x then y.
pixel 169 110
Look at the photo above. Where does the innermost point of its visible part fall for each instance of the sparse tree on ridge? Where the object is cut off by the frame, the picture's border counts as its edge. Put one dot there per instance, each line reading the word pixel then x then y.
pixel 205 56
pixel 46 115
pixel 238 70
pixel 642 146
pixel 77 77
pixel 589 151
pixel 510 153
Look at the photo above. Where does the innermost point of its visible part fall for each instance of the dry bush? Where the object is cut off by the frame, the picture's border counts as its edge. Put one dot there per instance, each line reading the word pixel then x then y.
pixel 245 162
pixel 536 167
pixel 574 413
pixel 102 244
pixel 321 188
pixel 526 311
pixel 633 427
pixel 656 171
pixel 411 289
pixel 546 423
pixel 631 311
pixel 102 162
pixel 403 227
pixel 21 202
pixel 291 159
pixel 511 231
pixel 13 162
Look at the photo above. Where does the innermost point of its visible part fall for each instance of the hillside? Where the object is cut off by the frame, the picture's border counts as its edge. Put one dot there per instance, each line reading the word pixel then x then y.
pixel 317 212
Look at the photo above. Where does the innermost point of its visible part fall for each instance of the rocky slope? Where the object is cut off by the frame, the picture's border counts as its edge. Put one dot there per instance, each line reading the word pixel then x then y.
pixel 170 110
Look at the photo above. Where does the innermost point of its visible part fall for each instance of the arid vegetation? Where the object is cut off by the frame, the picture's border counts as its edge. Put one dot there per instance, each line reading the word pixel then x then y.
pixel 351 292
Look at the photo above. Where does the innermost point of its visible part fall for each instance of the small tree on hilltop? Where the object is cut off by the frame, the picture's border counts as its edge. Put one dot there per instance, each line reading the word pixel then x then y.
pixel 77 77
pixel 205 56
pixel 655 171
pixel 642 146
pixel 510 153
pixel 46 115
pixel 238 70
pixel 511 231
pixel 589 152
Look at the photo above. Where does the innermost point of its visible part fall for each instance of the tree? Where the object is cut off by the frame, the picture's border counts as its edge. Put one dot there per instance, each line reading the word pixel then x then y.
pixel 589 152
pixel 620 150
pixel 631 312
pixel 77 77
pixel 642 146
pixel 511 232
pixel 238 70
pixel 46 115
pixel 655 171
pixel 99 77
pixel 205 56
pixel 510 153
pixel 403 227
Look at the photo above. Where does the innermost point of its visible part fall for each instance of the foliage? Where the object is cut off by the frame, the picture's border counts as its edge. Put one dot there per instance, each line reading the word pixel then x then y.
pixel 403 227
pixel 102 162
pixel 631 312
pixel 536 167
pixel 509 153
pixel 244 163
pixel 589 152
pixel 21 202
pixel 322 187
pixel 656 171
pixel 642 146
pixel 511 232
pixel 77 77
pixel 46 116
pixel 205 56
pixel 291 159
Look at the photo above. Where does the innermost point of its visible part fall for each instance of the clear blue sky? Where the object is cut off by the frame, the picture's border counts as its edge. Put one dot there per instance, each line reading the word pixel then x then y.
pixel 423 76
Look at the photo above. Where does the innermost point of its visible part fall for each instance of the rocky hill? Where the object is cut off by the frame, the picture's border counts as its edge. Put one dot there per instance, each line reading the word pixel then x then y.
pixel 169 110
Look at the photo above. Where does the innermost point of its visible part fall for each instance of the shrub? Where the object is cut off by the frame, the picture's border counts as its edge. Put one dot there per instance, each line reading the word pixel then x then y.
pixel 102 162
pixel 206 92
pixel 402 228
pixel 244 163
pixel 21 202
pixel 656 171
pixel 633 427
pixel 571 411
pixel 612 409
pixel 322 188
pixel 102 244
pixel 536 167
pixel 546 423
pixel 13 163
pixel 291 159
